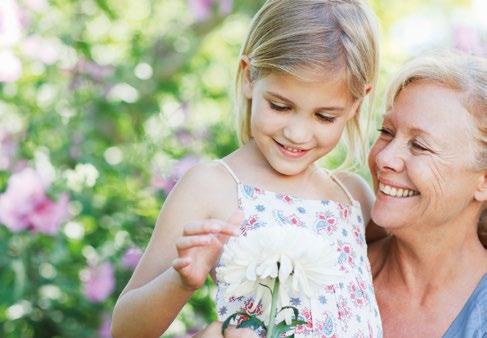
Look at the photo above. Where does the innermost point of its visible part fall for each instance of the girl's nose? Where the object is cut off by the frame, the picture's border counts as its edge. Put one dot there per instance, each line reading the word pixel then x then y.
pixel 298 130
pixel 390 158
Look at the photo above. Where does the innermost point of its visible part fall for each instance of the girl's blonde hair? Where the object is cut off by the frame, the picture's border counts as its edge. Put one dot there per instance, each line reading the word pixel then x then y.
pixel 466 74
pixel 328 36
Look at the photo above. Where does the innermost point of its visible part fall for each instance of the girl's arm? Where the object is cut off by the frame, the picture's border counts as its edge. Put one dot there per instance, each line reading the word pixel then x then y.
pixel 157 291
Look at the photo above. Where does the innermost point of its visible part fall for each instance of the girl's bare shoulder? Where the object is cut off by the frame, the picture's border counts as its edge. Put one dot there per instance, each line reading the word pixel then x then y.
pixel 210 184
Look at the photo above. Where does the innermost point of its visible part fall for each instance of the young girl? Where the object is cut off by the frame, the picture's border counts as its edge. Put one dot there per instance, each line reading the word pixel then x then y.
pixel 305 69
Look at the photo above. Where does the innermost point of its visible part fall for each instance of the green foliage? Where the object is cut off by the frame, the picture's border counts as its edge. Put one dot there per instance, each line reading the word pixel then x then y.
pixel 132 89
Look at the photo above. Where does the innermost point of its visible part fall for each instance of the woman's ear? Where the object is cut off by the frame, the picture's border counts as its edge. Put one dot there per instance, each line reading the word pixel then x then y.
pixel 246 80
pixel 481 192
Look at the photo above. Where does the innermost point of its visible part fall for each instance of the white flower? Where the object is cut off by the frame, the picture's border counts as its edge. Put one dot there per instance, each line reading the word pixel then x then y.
pixel 303 261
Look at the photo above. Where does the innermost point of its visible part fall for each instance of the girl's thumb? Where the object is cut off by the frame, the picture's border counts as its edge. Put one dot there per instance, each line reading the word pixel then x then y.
pixel 236 218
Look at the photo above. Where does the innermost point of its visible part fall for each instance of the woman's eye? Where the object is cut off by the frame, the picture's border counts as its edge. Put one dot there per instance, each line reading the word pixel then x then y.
pixel 385 132
pixel 326 118
pixel 418 146
pixel 278 107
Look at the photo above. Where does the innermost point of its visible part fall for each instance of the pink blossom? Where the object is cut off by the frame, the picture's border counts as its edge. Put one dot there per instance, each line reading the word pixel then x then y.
pixel 98 282
pixel 201 9
pixel 10 23
pixel 25 205
pixel 10 66
pixel 177 171
pixel 131 258
pixel 8 148
pixel 37 5
pixel 225 6
pixel 467 39
pixel 48 215
pixel 42 49
pixel 105 329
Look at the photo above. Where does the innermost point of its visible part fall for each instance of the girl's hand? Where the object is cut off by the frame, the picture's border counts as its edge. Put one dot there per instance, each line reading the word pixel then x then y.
pixel 214 331
pixel 200 247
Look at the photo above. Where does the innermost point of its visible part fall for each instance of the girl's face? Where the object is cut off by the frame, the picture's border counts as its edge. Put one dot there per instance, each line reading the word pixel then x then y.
pixel 421 164
pixel 296 122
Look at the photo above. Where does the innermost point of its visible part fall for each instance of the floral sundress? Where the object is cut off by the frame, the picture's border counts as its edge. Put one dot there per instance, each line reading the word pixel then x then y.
pixel 346 308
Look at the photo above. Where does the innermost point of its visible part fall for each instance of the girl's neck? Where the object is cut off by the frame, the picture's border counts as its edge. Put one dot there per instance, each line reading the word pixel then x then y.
pixel 254 156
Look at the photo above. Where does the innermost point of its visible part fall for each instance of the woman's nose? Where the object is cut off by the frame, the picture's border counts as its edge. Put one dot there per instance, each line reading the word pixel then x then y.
pixel 390 157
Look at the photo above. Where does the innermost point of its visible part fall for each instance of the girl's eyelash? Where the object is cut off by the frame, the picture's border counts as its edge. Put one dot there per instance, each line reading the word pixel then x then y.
pixel 278 107
pixel 326 118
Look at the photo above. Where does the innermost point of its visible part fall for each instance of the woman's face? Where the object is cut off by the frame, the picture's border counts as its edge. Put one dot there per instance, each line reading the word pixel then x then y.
pixel 421 164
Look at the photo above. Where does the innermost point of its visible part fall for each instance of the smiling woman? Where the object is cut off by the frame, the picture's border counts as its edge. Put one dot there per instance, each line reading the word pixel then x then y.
pixel 429 168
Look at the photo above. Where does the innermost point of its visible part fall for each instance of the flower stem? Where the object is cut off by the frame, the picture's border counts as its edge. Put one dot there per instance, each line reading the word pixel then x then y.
pixel 272 317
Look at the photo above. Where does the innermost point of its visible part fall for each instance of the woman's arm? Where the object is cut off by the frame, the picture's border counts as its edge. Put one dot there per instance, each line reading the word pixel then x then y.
pixel 156 292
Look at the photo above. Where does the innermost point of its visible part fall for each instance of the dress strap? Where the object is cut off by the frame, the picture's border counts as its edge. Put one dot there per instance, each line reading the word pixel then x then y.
pixel 229 170
pixel 342 186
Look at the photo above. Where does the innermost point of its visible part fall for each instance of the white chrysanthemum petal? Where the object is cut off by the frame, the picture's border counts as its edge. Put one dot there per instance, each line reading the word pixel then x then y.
pixel 285 268
pixel 307 262
pixel 268 268
pixel 286 315
pixel 250 273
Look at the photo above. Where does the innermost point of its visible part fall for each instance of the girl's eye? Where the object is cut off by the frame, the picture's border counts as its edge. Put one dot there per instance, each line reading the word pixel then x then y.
pixel 278 107
pixel 326 118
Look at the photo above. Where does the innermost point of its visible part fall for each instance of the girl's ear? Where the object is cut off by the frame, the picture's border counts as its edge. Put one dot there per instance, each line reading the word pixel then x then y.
pixel 481 192
pixel 367 89
pixel 356 105
pixel 246 81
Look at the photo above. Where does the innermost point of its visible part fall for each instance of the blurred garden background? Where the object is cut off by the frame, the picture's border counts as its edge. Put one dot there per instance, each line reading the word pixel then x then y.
pixel 104 104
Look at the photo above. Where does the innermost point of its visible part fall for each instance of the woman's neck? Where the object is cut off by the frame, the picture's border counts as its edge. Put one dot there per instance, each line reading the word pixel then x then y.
pixel 424 259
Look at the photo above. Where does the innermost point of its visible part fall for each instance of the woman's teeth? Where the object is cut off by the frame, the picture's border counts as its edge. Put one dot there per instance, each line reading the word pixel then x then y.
pixel 396 192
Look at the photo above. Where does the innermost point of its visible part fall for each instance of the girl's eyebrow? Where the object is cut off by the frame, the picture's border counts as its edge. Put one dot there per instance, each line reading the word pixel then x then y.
pixel 285 100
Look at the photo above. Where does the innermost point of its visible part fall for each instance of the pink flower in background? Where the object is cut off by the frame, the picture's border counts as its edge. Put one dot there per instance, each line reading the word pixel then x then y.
pixel 131 258
pixel 36 5
pixel 8 148
pixel 25 205
pixel 201 9
pixel 225 6
pixel 98 282
pixel 48 215
pixel 467 39
pixel 10 23
pixel 105 329
pixel 177 171
pixel 10 66
pixel 45 50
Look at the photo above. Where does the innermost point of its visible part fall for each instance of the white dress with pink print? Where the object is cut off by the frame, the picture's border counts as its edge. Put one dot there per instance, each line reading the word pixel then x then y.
pixel 347 308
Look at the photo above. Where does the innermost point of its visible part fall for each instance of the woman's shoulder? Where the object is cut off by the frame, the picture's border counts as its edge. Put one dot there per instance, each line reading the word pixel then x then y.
pixel 472 319
pixel 359 189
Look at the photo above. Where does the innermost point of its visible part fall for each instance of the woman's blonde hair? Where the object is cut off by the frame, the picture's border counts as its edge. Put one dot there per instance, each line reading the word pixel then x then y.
pixel 287 36
pixel 466 74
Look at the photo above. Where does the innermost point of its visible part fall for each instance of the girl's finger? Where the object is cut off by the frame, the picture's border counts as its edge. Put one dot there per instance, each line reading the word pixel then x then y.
pixel 187 242
pixel 212 226
pixel 180 263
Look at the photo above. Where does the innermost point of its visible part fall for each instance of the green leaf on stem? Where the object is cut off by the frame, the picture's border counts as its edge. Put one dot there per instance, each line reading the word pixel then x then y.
pixel 251 321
